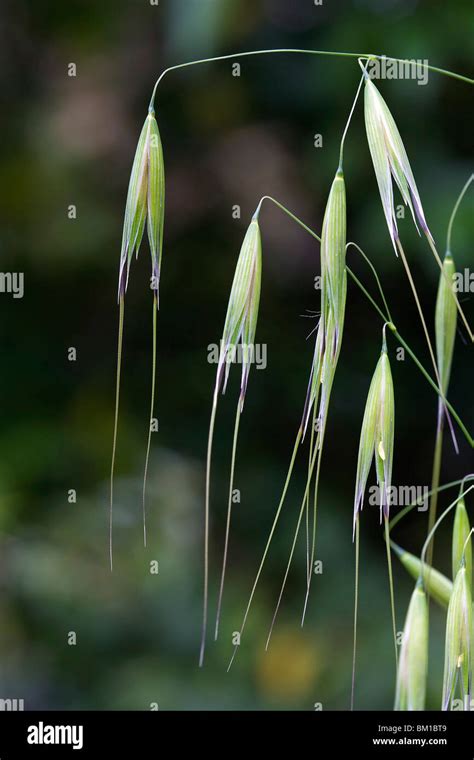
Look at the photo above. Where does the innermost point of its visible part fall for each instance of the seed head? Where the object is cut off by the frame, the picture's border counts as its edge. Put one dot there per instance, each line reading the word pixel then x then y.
pixel 145 203
pixel 445 321
pixel 333 302
pixel 462 542
pixel 377 436
pixel 390 159
pixel 242 309
pixel 457 654
pixel 413 660
pixel 333 251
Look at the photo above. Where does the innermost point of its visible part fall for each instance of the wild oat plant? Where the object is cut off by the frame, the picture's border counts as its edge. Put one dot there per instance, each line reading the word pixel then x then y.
pixel 393 172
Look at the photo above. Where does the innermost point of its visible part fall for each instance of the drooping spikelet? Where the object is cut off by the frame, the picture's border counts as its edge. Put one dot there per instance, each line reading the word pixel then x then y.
pixel 333 302
pixel 242 309
pixel 462 548
pixel 445 321
pixel 145 204
pixel 413 660
pixel 390 159
pixel 457 653
pixel 377 436
pixel 239 329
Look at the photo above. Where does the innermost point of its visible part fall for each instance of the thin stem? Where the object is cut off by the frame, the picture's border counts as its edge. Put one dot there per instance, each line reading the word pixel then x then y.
pixel 269 540
pixel 395 520
pixel 436 526
pixel 206 528
pixel 366 293
pixel 392 597
pixel 377 279
pixel 290 214
pixel 114 444
pixel 341 149
pixel 356 608
pixel 152 405
pixel 418 306
pixel 463 555
pixel 229 514
pixel 338 54
pixel 248 53
pixel 455 210
pixel 435 475
pixel 446 72
pixel 455 415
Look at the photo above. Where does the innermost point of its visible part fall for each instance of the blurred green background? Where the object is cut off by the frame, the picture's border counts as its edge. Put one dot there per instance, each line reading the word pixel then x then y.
pixel 227 140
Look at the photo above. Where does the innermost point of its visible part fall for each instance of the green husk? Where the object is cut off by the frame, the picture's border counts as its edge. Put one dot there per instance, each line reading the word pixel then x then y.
pixel 390 159
pixel 445 321
pixel 462 546
pixel 377 436
pixel 457 657
pixel 413 660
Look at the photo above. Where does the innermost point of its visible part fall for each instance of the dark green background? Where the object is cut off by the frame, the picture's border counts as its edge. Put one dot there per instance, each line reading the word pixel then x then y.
pixel 226 141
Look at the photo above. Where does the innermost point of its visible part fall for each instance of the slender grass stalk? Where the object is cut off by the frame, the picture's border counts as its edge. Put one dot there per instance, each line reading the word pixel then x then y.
pixel 392 595
pixel 229 514
pixel 356 609
pixel 435 476
pixel 455 211
pixel 386 317
pixel 114 443
pixel 438 523
pixel 152 405
pixel 339 54
pixel 406 510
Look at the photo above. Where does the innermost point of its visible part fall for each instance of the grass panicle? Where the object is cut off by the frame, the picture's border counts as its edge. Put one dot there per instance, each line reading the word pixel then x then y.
pixel 413 661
